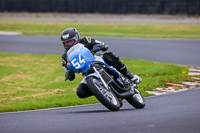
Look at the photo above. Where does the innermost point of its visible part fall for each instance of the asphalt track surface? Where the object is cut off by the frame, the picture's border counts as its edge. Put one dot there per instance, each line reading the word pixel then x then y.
pixel 177 51
pixel 171 113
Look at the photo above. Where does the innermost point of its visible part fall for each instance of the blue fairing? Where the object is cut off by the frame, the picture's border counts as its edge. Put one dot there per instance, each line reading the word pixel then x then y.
pixel 80 59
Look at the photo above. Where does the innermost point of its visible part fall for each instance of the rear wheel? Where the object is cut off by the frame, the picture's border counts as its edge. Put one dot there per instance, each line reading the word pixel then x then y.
pixel 104 95
pixel 137 100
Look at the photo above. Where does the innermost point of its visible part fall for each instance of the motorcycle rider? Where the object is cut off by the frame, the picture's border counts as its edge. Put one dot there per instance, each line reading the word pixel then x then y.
pixel 71 37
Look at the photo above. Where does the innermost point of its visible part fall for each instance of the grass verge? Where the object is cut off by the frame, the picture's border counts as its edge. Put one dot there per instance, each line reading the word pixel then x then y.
pixel 29 82
pixel 104 29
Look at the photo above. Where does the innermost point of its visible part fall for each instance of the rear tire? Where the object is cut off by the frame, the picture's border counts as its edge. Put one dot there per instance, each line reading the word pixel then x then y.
pixel 137 100
pixel 106 97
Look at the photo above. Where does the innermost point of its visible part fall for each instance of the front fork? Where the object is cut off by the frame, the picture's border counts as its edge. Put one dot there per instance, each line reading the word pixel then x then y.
pixel 104 83
pixel 135 89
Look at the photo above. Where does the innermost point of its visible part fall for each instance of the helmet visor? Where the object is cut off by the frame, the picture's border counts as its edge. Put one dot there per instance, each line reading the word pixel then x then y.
pixel 69 43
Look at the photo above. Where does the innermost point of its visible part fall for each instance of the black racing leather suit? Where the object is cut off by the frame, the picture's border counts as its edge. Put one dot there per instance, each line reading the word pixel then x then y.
pixel 109 57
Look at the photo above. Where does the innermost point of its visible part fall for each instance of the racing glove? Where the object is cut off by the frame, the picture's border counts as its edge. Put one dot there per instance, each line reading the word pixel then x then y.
pixel 97 47
pixel 101 46
pixel 104 47
pixel 69 75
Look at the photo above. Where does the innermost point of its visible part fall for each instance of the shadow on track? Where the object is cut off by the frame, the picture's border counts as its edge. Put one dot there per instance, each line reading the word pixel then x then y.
pixel 101 111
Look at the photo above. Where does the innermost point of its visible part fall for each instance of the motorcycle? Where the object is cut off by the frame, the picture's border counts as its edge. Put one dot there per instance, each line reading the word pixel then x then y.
pixel 104 81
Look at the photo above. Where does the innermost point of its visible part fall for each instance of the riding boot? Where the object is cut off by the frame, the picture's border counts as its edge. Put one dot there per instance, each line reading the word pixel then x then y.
pixel 124 70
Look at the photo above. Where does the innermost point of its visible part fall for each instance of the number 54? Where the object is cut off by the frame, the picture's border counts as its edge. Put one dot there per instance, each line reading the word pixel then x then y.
pixel 77 63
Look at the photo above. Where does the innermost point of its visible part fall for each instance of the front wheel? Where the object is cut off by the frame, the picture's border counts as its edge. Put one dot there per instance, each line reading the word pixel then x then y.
pixel 137 100
pixel 104 95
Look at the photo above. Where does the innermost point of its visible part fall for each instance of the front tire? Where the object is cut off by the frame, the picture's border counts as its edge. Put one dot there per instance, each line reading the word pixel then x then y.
pixel 105 96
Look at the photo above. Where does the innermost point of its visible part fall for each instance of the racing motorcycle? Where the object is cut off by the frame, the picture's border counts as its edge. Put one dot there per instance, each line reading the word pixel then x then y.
pixel 105 82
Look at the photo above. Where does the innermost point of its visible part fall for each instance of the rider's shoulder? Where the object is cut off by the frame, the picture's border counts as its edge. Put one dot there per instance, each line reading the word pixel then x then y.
pixel 86 40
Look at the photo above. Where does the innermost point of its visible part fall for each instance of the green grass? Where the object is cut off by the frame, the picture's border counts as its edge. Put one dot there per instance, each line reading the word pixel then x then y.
pixel 29 82
pixel 104 29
